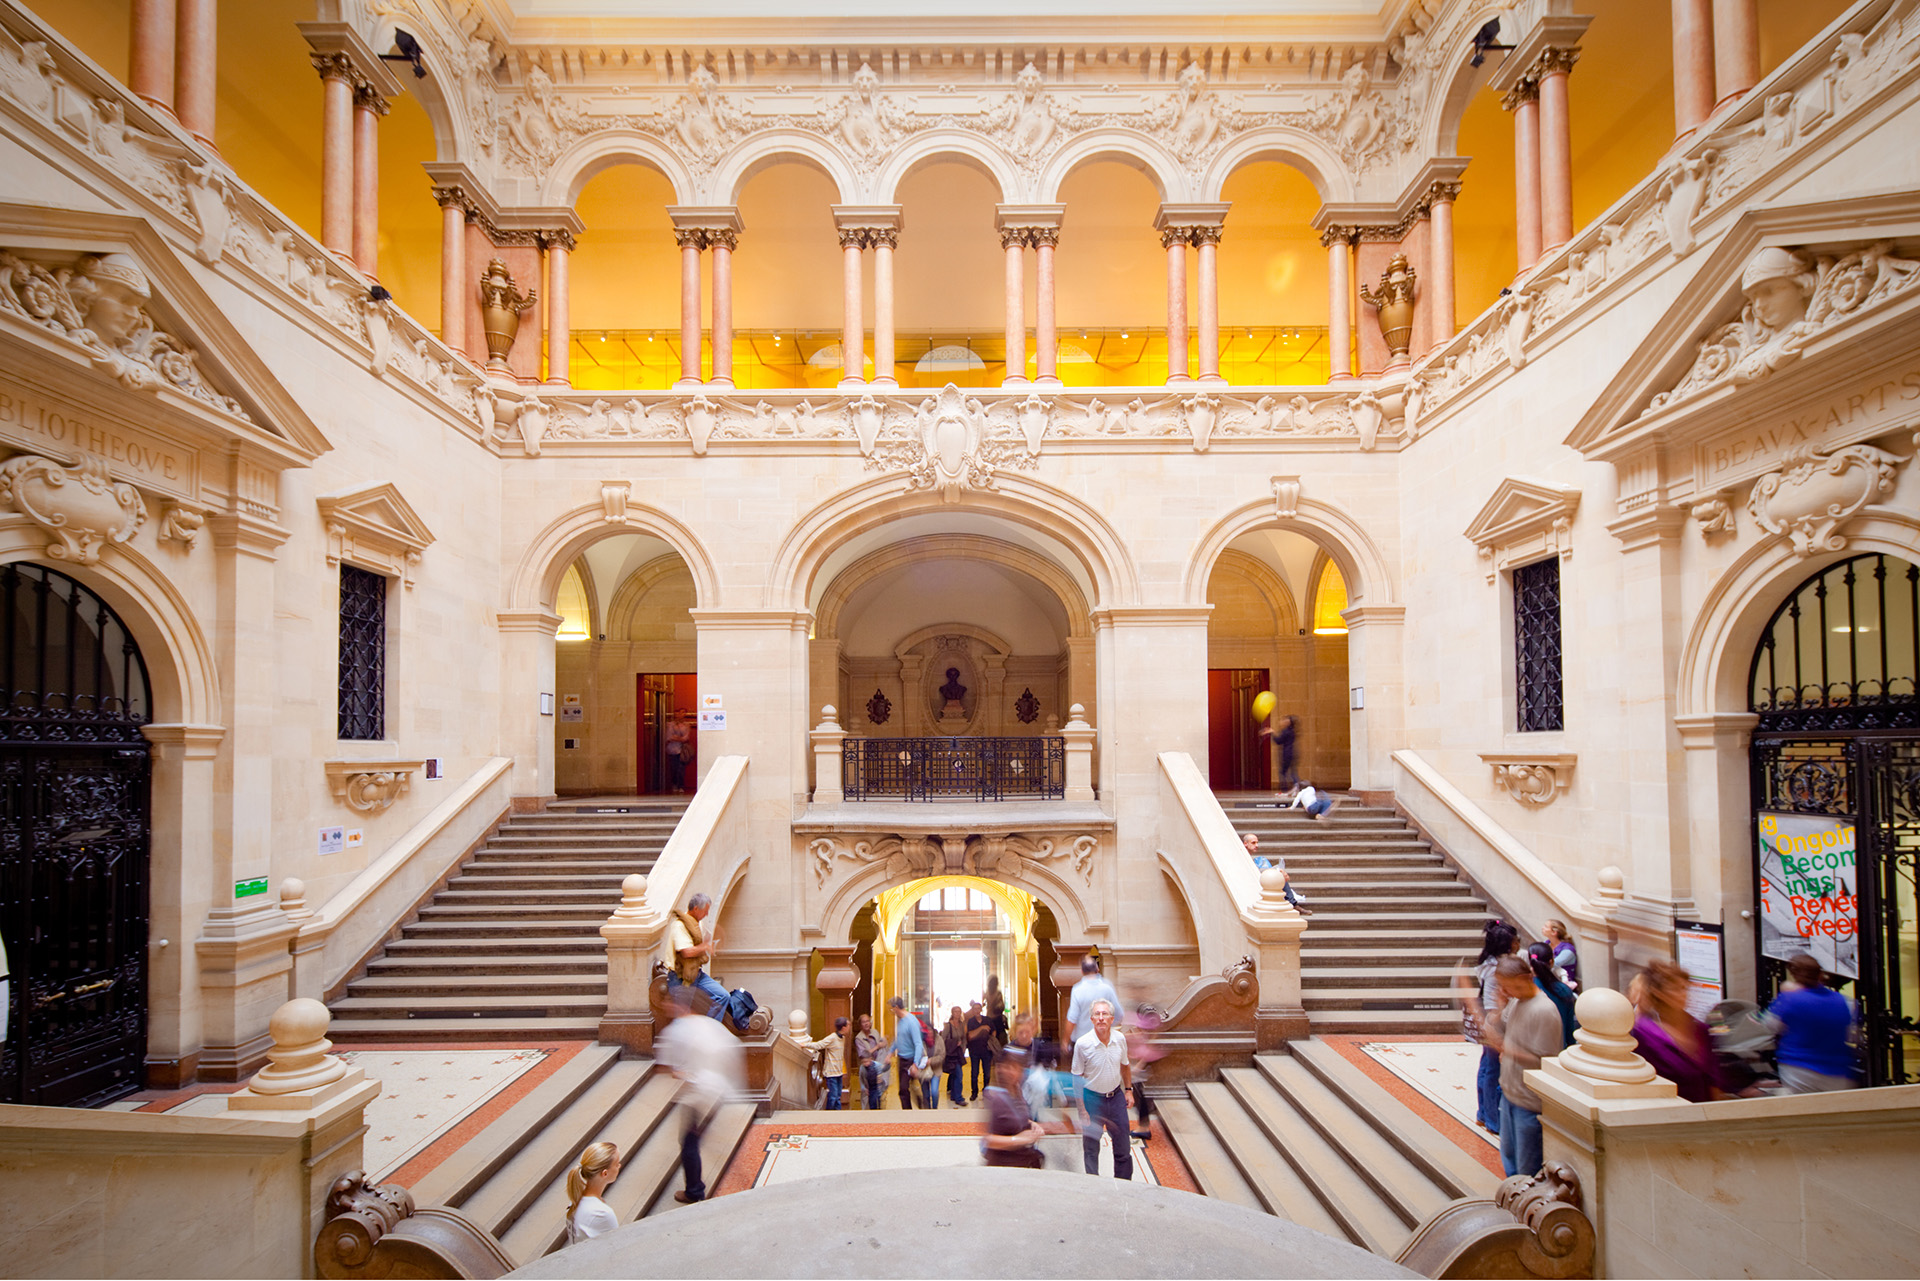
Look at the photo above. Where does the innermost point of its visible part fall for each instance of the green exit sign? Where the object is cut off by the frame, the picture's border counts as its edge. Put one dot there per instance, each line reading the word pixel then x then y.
pixel 247 889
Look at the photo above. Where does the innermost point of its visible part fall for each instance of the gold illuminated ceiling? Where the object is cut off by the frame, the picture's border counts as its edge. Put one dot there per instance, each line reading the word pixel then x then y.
pixel 787 274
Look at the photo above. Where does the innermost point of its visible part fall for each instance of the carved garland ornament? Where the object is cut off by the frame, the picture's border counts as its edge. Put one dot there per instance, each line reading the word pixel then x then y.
pixel 81 507
pixel 903 857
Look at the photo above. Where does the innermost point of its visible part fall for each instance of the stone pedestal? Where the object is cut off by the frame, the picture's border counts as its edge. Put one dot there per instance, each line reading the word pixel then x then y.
pixel 1274 927
pixel 635 934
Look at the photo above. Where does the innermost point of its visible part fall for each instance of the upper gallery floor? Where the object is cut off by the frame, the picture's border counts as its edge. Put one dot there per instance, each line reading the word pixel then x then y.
pixel 828 199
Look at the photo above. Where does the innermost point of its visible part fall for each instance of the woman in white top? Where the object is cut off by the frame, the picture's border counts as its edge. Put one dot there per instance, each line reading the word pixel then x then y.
pixel 587 1214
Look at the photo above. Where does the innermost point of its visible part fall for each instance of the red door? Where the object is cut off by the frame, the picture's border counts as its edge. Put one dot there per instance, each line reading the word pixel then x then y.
pixel 1238 758
pixel 661 699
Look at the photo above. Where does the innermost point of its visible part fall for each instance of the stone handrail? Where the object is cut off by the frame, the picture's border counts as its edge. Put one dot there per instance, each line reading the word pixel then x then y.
pixel 332 941
pixel 1513 875
pixel 706 852
pixel 1238 912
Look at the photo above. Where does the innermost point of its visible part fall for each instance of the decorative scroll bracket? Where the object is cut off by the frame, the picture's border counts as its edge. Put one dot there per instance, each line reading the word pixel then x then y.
pixel 1534 779
pixel 368 786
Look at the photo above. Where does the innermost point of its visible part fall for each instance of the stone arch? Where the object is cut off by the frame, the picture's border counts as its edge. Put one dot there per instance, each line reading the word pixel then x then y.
pixel 182 677
pixel 1101 555
pixel 1456 80
pixel 536 580
pixel 772 146
pixel 1348 544
pixel 993 887
pixel 951 546
pixel 1290 147
pixel 629 594
pixel 1718 655
pixel 600 151
pixel 938 144
pixel 1279 595
pixel 847 894
pixel 1124 145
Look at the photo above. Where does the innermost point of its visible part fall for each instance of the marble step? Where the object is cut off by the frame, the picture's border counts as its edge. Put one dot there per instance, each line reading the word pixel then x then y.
pixel 1441 1159
pixel 1210 1163
pixel 1273 1181
pixel 490 962
pixel 422 987
pixel 1387 975
pixel 532 1005
pixel 514 1030
pixel 491 945
pixel 1385 1022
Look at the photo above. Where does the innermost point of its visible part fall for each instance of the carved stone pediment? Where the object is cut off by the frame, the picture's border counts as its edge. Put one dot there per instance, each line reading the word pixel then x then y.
pixel 1524 521
pixel 374 527
pixel 1802 329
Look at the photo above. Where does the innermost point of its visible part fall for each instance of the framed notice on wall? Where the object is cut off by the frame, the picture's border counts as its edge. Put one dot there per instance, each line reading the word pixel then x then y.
pixel 1809 889
pixel 1700 949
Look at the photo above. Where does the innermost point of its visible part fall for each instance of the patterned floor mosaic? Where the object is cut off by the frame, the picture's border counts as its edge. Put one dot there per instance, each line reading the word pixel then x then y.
pixel 1444 1071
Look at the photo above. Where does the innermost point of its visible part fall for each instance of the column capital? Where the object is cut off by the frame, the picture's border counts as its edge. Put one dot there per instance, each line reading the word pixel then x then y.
pixel 1443 193
pixel 339 52
pixel 883 237
pixel 1525 93
pixel 689 238
pixel 852 237
pixel 453 196
pixel 1171 236
pixel 558 238
pixel 1044 237
pixel 1553 61
pixel 368 98
pixel 1336 235
pixel 336 66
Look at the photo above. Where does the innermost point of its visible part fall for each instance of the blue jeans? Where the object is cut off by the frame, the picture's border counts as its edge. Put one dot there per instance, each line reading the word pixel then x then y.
pixel 957 1085
pixel 1109 1113
pixel 834 1085
pixel 1487 1112
pixel 693 1125
pixel 874 1077
pixel 716 995
pixel 1519 1139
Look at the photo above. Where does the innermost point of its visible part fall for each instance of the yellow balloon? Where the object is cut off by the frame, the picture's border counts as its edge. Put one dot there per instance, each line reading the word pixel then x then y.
pixel 1263 704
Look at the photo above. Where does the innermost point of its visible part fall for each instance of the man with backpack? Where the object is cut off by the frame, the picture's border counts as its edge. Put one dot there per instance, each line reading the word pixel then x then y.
pixel 692 949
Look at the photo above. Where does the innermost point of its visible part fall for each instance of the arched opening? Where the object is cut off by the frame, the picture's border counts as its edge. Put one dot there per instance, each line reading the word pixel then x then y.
pixel 787 283
pixel 1273 278
pixel 1112 301
pixel 624 283
pixel 950 301
pixel 1276 628
pixel 74 793
pixel 625 658
pixel 1836 795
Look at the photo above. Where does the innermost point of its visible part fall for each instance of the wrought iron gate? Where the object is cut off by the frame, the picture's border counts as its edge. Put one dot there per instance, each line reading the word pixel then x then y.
pixel 73 842
pixel 1833 683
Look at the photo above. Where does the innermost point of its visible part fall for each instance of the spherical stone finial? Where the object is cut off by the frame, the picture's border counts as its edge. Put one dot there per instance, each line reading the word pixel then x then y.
pixel 633 887
pixel 633 898
pixel 797 1025
pixel 1613 878
pixel 1273 882
pixel 298 1023
pixel 1604 1010
pixel 1076 713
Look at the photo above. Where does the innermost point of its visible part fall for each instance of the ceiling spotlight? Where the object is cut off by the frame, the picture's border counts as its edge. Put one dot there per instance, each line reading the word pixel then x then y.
pixel 1485 40
pixel 1123 337
pixel 410 53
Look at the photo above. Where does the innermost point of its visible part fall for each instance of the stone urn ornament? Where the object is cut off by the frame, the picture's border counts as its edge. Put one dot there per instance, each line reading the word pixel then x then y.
pixel 1394 304
pixel 500 307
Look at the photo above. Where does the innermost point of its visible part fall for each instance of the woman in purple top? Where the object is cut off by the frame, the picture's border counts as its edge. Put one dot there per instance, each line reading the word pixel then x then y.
pixel 1012 1133
pixel 1677 1045
pixel 1814 1024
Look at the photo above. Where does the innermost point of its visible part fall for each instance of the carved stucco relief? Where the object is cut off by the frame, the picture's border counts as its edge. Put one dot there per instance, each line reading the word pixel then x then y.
pixel 81 507
pixel 1815 492
pixel 1005 857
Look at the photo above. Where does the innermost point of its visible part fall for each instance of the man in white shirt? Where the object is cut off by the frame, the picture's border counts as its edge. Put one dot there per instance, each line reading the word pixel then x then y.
pixel 1091 987
pixel 1100 1061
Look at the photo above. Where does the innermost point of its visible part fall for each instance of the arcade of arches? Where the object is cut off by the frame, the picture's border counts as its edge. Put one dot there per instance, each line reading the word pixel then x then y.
pixel 910 462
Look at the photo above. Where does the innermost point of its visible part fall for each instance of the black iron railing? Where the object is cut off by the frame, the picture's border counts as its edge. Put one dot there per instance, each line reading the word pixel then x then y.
pixel 928 769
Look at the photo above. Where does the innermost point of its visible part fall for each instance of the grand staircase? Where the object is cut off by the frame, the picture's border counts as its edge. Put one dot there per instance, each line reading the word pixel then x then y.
pixel 511 1178
pixel 1391 922
pixel 1310 1137
pixel 511 950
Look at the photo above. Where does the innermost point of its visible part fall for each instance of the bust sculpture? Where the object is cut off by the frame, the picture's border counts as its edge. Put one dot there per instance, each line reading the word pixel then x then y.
pixel 954 692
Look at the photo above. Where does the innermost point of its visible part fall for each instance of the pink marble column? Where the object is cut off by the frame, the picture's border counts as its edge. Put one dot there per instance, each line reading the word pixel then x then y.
pixel 1693 63
pixel 1013 240
pixel 722 243
pixel 1046 342
pixel 1556 149
pixel 1207 244
pixel 1736 48
pixel 1174 241
pixel 453 266
pixel 884 240
pixel 196 66
pixel 368 107
pixel 336 152
pixel 150 54
pixel 559 314
pixel 853 334
pixel 1523 100
pixel 1440 283
pixel 1339 304
pixel 690 241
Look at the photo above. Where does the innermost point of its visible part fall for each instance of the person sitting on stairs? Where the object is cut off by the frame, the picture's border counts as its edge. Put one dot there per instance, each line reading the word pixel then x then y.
pixel 1260 861
pixel 691 950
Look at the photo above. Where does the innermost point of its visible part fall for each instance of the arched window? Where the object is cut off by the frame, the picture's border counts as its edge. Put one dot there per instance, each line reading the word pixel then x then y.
pixel 1329 600
pixel 69 669
pixel 1839 654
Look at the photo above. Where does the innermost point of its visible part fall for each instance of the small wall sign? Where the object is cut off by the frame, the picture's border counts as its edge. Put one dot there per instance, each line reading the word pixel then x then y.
pixel 249 888
pixel 333 840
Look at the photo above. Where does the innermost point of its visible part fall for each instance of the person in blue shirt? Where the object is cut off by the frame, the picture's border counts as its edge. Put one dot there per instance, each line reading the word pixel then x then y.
pixel 1815 1025
pixel 909 1050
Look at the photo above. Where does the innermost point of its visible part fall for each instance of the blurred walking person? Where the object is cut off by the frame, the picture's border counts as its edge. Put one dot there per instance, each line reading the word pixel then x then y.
pixel 1013 1135
pixel 953 1057
pixel 710 1066
pixel 909 1050
pixel 1815 1027
pixel 1481 998
pixel 1529 1032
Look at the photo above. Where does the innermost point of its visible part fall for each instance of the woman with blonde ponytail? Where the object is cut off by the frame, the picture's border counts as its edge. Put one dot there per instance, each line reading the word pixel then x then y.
pixel 587 1214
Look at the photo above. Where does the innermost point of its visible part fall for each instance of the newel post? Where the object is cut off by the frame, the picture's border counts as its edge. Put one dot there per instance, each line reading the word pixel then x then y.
pixel 1274 928
pixel 634 934
pixel 1079 736
pixel 837 978
pixel 827 737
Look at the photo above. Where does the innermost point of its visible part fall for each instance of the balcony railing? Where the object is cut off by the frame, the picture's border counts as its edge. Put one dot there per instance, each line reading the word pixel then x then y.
pixel 931 769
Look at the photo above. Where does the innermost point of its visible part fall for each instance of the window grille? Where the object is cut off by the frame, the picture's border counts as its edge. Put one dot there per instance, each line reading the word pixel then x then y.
pixel 363 653
pixel 1536 646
